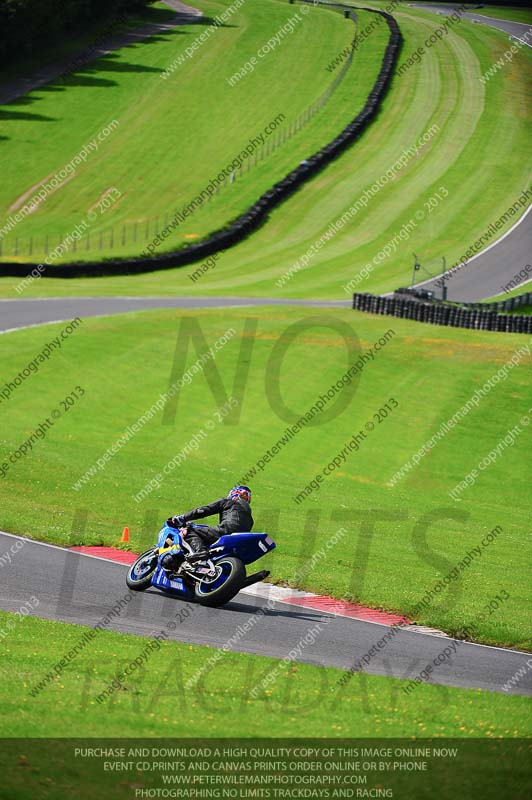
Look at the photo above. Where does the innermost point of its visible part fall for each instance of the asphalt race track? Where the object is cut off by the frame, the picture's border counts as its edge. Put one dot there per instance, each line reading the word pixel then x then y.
pixel 76 588
pixel 485 275
pixel 516 29
pixel 23 313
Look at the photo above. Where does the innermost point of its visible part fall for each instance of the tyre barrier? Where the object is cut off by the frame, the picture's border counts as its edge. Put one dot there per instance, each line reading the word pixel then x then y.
pixel 258 213
pixel 439 314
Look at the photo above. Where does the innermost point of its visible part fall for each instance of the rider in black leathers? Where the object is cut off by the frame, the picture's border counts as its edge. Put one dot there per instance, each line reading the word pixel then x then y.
pixel 235 516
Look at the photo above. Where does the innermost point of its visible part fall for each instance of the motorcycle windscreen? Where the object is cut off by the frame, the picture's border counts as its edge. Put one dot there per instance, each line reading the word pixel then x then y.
pixel 166 532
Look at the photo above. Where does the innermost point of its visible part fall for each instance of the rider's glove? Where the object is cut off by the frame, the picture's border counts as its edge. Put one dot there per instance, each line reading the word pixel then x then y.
pixel 176 522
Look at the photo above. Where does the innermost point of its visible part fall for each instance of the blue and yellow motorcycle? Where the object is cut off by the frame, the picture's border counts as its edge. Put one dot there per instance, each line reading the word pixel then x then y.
pixel 214 581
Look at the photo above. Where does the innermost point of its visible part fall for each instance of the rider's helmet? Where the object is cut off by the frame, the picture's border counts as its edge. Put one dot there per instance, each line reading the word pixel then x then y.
pixel 240 491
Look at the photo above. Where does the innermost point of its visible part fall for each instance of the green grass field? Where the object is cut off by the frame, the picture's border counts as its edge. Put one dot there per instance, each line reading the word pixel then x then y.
pixel 430 373
pixel 481 128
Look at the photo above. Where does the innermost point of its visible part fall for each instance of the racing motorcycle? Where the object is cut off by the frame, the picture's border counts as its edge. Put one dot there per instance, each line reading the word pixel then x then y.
pixel 212 582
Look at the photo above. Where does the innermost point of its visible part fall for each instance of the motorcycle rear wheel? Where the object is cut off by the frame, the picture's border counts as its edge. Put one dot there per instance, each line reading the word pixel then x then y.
pixel 225 587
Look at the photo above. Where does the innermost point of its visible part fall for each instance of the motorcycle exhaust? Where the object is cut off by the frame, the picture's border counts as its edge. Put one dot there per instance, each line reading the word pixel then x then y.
pixel 256 577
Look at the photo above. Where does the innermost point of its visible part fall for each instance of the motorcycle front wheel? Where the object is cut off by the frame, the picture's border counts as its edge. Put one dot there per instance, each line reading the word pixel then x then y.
pixel 141 572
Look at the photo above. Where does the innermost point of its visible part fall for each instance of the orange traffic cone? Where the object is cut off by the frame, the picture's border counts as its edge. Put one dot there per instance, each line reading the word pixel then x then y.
pixel 125 535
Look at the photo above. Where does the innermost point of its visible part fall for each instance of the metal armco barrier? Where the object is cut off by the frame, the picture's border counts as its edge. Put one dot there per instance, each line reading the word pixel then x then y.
pixel 255 216
pixel 511 304
pixel 438 314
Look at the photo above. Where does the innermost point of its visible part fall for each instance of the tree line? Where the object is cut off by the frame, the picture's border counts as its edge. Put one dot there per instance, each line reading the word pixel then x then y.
pixel 27 25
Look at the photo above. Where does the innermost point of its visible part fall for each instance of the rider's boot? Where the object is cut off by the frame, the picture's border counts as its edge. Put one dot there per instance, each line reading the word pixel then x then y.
pixel 195 547
pixel 201 555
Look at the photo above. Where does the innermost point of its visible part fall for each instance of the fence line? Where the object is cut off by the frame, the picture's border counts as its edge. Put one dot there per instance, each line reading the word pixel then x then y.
pixel 510 304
